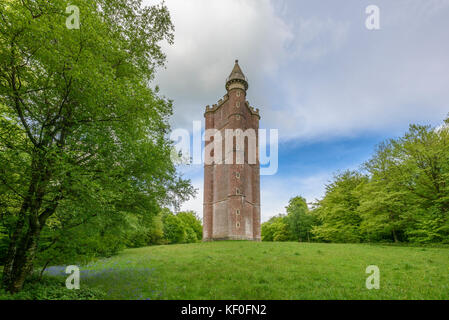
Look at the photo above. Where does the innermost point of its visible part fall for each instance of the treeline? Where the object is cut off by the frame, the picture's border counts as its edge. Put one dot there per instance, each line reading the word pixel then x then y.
pixel 104 238
pixel 400 195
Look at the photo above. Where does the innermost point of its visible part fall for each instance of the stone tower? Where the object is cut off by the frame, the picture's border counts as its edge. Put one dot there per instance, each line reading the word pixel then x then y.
pixel 231 209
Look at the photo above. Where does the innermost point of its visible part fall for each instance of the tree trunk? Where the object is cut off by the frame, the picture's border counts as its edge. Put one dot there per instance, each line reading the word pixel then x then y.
pixel 22 265
pixel 23 244
pixel 41 274
pixel 395 237
pixel 12 250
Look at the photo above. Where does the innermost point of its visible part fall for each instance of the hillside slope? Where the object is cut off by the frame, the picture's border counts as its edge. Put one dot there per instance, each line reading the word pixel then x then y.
pixel 249 270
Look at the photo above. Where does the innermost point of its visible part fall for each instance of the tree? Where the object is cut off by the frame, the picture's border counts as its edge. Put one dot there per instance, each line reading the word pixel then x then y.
pixel 174 230
pixel 184 227
pixel 82 134
pixel 192 221
pixel 337 211
pixel 275 229
pixel 404 195
pixel 298 219
pixel 409 190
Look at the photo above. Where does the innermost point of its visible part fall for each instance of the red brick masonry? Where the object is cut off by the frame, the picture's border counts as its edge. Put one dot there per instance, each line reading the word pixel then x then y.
pixel 231 209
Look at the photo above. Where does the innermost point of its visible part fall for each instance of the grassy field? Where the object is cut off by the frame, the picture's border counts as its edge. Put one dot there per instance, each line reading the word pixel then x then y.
pixel 248 270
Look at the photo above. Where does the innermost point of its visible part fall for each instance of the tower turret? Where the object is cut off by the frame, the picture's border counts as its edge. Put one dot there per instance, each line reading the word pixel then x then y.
pixel 236 79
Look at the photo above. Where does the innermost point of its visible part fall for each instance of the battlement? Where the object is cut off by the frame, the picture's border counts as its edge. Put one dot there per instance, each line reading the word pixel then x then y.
pixel 254 111
pixel 217 105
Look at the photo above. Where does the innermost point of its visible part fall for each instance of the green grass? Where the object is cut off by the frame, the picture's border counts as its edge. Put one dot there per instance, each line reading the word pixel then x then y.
pixel 251 270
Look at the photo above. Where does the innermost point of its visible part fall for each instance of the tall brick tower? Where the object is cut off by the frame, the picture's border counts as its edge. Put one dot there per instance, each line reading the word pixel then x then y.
pixel 231 209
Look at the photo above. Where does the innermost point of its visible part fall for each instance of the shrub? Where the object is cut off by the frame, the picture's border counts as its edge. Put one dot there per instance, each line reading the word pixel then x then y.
pixel 50 288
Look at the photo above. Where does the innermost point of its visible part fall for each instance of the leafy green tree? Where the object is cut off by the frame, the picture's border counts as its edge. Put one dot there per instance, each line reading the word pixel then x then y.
pixel 299 220
pixel 281 232
pixel 82 134
pixel 184 227
pixel 275 229
pixel 144 230
pixel 409 178
pixel 338 210
pixel 174 229
pixel 156 231
pixel 192 221
pixel 383 202
pixel 403 197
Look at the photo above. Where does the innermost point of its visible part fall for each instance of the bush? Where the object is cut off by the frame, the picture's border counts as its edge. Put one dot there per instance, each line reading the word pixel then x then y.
pixel 49 288
pixel 184 227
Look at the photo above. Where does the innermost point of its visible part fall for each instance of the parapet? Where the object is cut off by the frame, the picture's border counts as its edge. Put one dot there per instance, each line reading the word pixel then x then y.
pixel 217 106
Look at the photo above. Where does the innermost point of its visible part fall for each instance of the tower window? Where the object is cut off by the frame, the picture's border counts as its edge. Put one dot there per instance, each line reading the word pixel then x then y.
pixel 238 93
pixel 237 175
pixel 237 211
pixel 237 104
pixel 237 191
pixel 237 225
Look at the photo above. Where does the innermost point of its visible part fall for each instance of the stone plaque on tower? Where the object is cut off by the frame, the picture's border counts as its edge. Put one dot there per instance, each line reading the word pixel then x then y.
pixel 231 209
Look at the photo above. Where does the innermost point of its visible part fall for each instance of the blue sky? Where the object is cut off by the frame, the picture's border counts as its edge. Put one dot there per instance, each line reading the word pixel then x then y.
pixel 333 88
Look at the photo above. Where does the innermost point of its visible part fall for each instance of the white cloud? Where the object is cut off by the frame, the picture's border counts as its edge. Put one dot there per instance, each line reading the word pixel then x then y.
pixel 316 37
pixel 209 36
pixel 313 76
pixel 353 81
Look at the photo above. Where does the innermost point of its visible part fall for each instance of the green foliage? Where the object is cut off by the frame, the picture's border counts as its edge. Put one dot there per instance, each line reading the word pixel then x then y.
pixel 184 227
pixel 299 220
pixel 49 288
pixel 3 243
pixel 337 211
pixel 191 221
pixel 83 137
pixel 295 226
pixel 276 229
pixel 402 197
pixel 174 231
pixel 145 231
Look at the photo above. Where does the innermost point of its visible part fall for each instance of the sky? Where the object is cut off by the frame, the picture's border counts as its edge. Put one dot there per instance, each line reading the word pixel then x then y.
pixel 333 88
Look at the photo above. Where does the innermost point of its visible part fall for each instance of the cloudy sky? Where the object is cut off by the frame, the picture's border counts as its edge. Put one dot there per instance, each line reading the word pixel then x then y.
pixel 333 88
